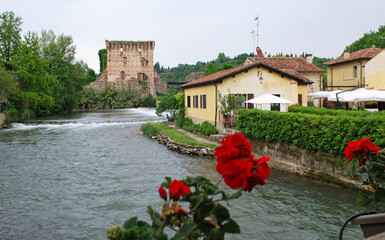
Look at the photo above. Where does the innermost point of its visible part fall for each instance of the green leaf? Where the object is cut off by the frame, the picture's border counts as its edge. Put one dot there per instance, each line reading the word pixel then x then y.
pixel 130 223
pixel 187 231
pixel 221 213
pixel 155 217
pixel 379 195
pixel 363 199
pixel 231 227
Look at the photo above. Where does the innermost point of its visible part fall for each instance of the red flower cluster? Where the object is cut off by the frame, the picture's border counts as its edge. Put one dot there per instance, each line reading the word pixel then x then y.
pixel 238 166
pixel 177 189
pixel 359 147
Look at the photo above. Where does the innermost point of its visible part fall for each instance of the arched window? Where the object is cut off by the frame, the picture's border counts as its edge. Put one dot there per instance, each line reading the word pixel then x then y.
pixel 122 75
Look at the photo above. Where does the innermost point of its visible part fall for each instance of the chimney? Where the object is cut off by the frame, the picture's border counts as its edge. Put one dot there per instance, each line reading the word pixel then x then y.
pixel 309 58
pixel 346 54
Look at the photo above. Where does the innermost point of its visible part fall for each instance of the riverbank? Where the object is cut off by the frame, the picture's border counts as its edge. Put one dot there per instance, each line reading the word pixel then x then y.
pixel 284 158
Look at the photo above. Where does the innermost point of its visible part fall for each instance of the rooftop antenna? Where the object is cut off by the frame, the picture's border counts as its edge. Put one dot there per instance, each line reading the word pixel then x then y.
pixel 258 49
pixel 257 20
pixel 253 34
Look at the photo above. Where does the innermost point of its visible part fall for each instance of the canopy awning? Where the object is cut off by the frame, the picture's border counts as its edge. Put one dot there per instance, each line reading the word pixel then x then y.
pixel 267 98
pixel 323 94
pixel 359 95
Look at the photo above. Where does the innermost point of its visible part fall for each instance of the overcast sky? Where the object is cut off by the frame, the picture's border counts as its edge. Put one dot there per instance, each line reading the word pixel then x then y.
pixel 191 31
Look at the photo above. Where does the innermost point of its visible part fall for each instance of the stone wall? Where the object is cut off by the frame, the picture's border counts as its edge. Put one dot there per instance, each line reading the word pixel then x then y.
pixel 2 119
pixel 160 85
pixel 289 157
pixel 184 148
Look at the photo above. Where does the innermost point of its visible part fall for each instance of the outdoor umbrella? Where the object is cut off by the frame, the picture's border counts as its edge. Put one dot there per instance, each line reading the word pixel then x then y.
pixel 267 98
pixel 323 94
pixel 362 95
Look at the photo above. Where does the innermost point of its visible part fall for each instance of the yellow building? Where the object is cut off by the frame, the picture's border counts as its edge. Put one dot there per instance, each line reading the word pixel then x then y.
pixel 252 80
pixel 364 68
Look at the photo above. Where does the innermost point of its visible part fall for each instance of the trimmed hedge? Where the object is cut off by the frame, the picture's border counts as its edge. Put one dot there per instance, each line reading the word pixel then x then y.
pixel 311 131
pixel 333 112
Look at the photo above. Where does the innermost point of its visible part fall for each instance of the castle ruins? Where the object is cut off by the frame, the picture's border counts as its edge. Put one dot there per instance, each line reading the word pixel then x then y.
pixel 130 64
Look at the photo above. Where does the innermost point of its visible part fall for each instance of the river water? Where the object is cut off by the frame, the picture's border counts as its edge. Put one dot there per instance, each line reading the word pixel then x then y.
pixel 74 176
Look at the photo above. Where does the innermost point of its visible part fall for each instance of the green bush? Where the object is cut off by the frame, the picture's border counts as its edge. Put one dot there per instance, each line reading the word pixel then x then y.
pixel 149 101
pixel 208 128
pixel 187 124
pixel 149 129
pixel 311 131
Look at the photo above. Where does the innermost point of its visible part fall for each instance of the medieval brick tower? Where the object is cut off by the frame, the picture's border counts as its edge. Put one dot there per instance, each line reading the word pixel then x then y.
pixel 129 64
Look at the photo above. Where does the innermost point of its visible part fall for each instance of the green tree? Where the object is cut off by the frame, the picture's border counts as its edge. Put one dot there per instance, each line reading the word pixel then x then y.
pixel 373 38
pixel 157 67
pixel 10 38
pixel 102 59
pixel 59 52
pixel 169 105
pixel 8 86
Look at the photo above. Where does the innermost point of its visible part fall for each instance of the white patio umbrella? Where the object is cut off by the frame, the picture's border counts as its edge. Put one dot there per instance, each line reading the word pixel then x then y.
pixel 323 94
pixel 267 98
pixel 362 95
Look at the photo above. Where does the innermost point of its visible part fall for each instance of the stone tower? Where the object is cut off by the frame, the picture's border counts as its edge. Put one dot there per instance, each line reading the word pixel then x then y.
pixel 129 64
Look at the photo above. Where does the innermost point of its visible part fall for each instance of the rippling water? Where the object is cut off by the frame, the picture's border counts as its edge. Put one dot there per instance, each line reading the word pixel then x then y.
pixel 73 176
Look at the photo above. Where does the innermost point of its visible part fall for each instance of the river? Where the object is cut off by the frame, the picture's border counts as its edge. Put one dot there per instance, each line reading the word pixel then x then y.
pixel 74 176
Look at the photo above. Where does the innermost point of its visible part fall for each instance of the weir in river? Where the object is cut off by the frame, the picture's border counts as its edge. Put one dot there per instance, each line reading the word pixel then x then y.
pixel 74 176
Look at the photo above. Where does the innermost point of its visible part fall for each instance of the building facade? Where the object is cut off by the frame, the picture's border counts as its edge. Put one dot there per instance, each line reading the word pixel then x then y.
pixel 252 80
pixel 363 68
pixel 302 66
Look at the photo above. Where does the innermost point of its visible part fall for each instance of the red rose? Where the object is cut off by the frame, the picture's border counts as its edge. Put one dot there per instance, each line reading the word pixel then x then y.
pixel 177 189
pixel 259 173
pixel 237 165
pixel 359 147
pixel 233 147
pixel 237 172
pixel 374 186
pixel 162 193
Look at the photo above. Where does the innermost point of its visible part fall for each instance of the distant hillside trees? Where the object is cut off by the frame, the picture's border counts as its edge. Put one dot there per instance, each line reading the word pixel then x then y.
pixel 373 38
pixel 182 72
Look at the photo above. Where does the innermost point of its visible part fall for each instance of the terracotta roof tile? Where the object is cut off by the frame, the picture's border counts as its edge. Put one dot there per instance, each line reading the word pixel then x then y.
pixel 296 63
pixel 216 77
pixel 367 53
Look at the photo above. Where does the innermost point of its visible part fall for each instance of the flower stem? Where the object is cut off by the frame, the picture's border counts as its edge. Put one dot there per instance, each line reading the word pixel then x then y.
pixel 219 180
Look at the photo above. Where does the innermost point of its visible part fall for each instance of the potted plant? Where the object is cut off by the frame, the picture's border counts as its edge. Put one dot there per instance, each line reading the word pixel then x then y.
pixel 372 169
pixel 228 106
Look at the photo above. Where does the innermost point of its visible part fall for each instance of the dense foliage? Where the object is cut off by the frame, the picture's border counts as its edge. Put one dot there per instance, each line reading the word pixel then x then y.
pixel 333 112
pixel 373 38
pixel 111 98
pixel 48 78
pixel 311 131
pixel 169 105
pixel 182 72
pixel 102 59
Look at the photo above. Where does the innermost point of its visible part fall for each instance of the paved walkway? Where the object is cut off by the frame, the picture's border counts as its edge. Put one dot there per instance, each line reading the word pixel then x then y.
pixel 192 135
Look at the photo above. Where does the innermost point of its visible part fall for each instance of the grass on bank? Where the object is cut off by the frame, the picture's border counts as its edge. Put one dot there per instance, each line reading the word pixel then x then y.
pixel 150 129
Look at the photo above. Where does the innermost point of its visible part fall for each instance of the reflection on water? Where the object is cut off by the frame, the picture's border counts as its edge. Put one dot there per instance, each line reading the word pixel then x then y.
pixel 73 176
